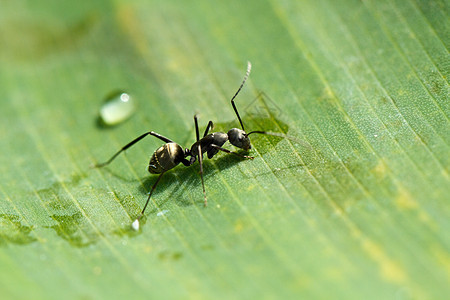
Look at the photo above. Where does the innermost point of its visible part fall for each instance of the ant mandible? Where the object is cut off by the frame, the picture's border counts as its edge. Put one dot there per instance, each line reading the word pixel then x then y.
pixel 171 154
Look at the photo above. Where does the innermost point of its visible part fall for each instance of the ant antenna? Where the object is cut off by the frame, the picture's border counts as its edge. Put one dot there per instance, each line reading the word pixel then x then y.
pixel 249 68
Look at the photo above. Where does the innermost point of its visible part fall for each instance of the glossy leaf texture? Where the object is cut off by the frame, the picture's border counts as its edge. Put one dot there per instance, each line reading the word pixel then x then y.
pixel 352 204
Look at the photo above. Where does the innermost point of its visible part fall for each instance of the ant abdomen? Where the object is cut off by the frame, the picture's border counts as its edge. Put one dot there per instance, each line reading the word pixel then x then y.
pixel 165 158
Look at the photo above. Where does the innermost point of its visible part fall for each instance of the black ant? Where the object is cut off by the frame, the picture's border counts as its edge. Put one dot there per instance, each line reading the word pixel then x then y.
pixel 171 154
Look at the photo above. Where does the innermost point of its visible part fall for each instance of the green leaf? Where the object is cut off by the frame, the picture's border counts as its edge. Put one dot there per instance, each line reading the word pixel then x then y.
pixel 353 205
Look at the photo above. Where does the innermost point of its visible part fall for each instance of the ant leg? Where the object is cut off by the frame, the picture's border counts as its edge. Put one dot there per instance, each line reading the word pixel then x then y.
pixel 149 196
pixel 186 162
pixel 157 135
pixel 197 134
pixel 210 126
pixel 231 152
pixel 200 160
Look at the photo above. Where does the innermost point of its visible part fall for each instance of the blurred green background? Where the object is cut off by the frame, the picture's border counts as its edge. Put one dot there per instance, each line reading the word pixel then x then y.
pixel 358 209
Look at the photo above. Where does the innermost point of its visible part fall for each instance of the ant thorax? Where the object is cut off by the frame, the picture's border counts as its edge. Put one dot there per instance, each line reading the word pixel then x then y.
pixel 239 138
pixel 216 139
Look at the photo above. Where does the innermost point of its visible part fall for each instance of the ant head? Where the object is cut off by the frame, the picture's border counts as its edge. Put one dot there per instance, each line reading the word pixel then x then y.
pixel 239 138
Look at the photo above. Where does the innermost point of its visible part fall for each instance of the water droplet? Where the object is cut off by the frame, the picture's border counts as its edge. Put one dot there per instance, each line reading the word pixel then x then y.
pixel 135 225
pixel 117 108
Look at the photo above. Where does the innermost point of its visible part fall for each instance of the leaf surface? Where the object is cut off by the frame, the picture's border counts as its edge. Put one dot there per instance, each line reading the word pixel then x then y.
pixel 353 204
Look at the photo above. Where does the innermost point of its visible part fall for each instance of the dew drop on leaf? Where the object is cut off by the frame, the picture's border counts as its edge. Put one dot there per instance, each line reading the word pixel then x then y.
pixel 117 108
pixel 135 225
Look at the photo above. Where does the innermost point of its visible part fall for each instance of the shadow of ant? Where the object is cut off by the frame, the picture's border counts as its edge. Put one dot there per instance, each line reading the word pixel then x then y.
pixel 183 179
